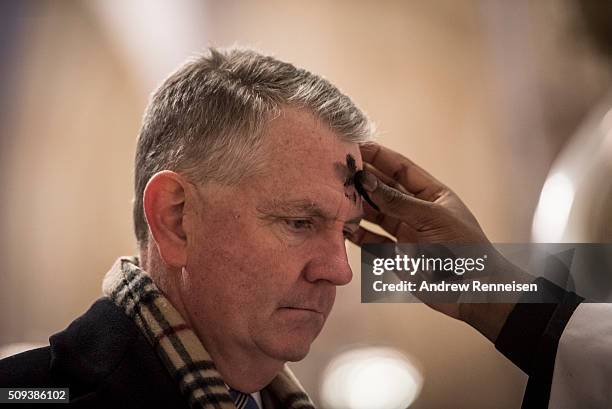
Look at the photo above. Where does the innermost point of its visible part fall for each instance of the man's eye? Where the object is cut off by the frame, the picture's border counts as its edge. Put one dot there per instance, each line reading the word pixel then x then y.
pixel 299 224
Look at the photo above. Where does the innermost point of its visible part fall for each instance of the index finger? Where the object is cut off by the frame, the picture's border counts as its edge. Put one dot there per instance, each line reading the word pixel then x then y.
pixel 401 169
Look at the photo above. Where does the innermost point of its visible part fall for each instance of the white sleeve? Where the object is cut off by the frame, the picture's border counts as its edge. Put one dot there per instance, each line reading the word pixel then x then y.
pixel 582 377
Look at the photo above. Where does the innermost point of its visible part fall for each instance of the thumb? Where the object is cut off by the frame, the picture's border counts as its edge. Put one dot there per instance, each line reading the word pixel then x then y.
pixel 391 201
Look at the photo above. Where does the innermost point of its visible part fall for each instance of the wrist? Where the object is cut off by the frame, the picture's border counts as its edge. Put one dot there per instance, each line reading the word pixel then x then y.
pixel 489 318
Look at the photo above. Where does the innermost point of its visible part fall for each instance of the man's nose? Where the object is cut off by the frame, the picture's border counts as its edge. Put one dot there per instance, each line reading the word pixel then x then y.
pixel 330 263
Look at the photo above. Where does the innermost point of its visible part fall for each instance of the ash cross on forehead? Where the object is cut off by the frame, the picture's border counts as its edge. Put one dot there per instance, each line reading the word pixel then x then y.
pixel 352 177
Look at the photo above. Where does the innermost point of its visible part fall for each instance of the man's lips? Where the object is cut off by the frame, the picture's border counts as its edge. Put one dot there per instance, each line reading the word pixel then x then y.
pixel 303 308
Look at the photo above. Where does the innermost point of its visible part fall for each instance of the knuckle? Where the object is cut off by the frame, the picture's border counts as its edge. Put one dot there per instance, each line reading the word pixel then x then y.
pixel 393 198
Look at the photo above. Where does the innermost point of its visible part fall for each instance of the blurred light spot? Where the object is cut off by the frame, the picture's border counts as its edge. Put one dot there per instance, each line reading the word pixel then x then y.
pixel 154 36
pixel 370 378
pixel 553 209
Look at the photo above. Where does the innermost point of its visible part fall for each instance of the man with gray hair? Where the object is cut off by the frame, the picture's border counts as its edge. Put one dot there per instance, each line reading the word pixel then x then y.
pixel 244 195
pixel 249 177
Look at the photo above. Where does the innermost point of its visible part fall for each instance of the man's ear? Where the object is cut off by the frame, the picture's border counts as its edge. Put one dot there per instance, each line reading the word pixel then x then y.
pixel 164 206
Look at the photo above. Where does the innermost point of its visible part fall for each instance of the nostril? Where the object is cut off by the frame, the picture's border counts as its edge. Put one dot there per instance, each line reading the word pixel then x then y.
pixel 335 270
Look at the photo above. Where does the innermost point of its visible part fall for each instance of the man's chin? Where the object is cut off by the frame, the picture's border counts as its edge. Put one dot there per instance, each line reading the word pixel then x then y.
pixel 293 354
pixel 290 349
pixel 290 340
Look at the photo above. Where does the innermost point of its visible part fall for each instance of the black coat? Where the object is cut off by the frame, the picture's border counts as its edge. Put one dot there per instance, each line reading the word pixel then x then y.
pixel 105 361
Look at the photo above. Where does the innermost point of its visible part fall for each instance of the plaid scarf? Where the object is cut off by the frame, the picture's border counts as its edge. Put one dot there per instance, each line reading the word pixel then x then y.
pixel 182 353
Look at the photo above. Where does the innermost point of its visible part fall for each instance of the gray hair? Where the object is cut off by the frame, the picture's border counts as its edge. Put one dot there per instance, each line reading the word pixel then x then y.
pixel 206 120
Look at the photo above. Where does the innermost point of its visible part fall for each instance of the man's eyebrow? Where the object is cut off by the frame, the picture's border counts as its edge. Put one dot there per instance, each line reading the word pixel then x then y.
pixel 301 207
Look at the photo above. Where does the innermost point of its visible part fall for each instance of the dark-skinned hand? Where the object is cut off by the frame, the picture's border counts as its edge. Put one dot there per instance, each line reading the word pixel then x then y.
pixel 414 207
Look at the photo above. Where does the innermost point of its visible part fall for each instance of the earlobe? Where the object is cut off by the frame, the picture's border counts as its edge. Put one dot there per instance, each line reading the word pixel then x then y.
pixel 164 205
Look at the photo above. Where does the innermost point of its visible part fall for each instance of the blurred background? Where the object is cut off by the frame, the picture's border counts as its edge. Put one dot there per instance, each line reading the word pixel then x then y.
pixel 505 102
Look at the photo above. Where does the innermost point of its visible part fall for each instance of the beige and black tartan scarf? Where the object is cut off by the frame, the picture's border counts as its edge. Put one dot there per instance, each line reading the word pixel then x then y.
pixel 133 290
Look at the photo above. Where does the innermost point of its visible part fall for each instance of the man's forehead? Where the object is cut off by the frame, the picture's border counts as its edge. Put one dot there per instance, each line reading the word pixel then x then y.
pixel 309 163
pixel 301 207
pixel 298 137
pixel 335 164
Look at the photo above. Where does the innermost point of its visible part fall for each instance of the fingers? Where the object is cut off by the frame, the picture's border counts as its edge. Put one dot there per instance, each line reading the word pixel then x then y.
pixel 400 169
pixel 388 223
pixel 385 179
pixel 365 236
pixel 405 234
pixel 392 202
pixel 402 232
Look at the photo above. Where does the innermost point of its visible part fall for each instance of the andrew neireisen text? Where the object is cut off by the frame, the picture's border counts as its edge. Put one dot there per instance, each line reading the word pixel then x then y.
pixel 426 274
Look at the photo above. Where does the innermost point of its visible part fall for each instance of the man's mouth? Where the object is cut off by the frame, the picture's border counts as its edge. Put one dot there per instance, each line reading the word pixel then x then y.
pixel 304 308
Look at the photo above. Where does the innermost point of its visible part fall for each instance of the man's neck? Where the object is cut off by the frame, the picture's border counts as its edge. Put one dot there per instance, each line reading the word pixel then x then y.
pixel 242 369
